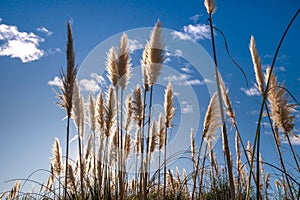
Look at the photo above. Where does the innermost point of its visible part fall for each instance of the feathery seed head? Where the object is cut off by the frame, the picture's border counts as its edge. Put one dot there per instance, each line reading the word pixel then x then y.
pixel 145 62
pixel 281 110
pixel 230 113
pixel 127 145
pixel 192 135
pixel 138 105
pixel 100 110
pixel 129 113
pixel 155 54
pixel 153 139
pixel 78 109
pixel 161 131
pixel 257 65
pixel 137 142
pixel 169 105
pixel 212 119
pixel 110 111
pixel 123 62
pixel 210 6
pixel 112 66
pixel 92 113
pixel 68 78
pixel 56 160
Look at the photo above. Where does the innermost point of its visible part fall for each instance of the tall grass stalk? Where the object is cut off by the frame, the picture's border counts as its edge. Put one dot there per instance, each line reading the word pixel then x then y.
pixel 152 61
pixel 210 6
pixel 78 115
pixel 169 114
pixel 66 96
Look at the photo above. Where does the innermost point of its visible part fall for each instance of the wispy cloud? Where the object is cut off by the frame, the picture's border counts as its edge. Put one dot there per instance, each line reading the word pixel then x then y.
pixel 186 68
pixel 99 79
pixel 22 45
pixel 177 53
pixel 195 18
pixel 52 51
pixel 186 107
pixel 193 32
pixel 281 68
pixel 294 140
pixel 134 44
pixel 55 82
pixel 89 85
pixel 186 80
pixel 253 91
pixel 44 30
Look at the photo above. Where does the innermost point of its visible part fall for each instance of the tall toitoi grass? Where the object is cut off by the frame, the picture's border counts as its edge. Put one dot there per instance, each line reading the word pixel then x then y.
pixel 67 89
pixel 121 138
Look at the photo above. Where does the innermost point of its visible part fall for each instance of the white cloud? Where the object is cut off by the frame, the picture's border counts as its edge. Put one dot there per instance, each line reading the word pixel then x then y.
pixel 253 91
pixel 195 18
pixel 186 69
pixel 178 53
pixel 183 79
pixel 89 85
pixel 186 107
pixel 52 51
pixel 281 68
pixel 193 32
pixel 208 81
pixel 134 45
pixel 168 55
pixel 180 35
pixel 294 140
pixel 44 30
pixel 99 79
pixel 22 45
pixel 55 82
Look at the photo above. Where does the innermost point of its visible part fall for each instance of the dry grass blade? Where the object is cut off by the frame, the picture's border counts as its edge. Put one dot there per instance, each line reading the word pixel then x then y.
pixel 169 105
pixel 212 119
pixel 123 62
pixel 257 65
pixel 56 160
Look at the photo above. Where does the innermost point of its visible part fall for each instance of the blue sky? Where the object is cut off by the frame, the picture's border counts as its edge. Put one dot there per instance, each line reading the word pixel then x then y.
pixel 32 51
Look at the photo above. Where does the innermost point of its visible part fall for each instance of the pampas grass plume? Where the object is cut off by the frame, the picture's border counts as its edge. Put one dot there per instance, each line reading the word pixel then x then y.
pixel 169 105
pixel 257 65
